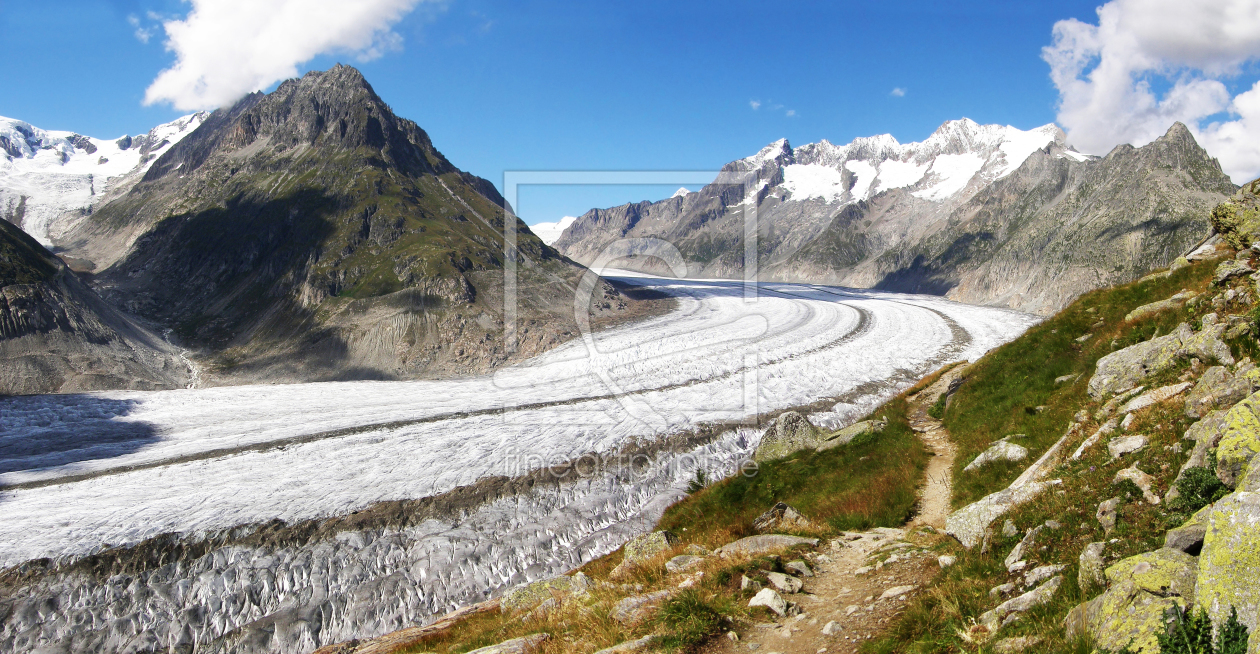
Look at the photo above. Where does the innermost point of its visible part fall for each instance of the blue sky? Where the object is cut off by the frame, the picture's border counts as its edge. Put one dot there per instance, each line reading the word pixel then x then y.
pixel 534 85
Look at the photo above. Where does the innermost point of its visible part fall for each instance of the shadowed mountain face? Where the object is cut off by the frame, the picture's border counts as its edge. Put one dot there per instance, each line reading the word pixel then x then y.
pixel 311 234
pixel 978 213
pixel 57 335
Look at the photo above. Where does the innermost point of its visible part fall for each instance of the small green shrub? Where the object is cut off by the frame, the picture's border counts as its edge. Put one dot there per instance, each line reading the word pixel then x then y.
pixel 698 483
pixel 1191 633
pixel 1127 489
pixel 688 621
pixel 937 410
pixel 1198 488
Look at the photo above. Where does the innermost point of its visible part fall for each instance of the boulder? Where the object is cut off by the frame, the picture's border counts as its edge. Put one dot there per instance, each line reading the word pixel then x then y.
pixel 1230 269
pixel 779 516
pixel 1189 537
pixel 1119 447
pixel 999 451
pixel 1142 590
pixel 1206 434
pixel 969 523
pixel 1230 561
pixel 763 544
pixel 1147 310
pixel 844 436
pixel 1090 572
pixel 642 548
pixel 790 433
pixel 1154 397
pixel 1143 481
pixel 1239 441
pixel 1218 388
pixel 1041 573
pixel 634 609
pixel 784 583
pixel 628 647
pixel 1032 599
pixel 1107 514
pixel 1125 368
pixel 522 645
pixel 1016 554
pixel 1120 398
pixel 771 600
pixel 1107 428
pixel 946 560
pixel 1250 480
pixel 895 592
pixel 799 567
pixel 529 595
pixel 1178 264
pixel 832 628
pixel 683 562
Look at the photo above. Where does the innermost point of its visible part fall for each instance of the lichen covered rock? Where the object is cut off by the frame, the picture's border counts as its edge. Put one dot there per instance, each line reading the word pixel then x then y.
pixel 1124 368
pixel 1146 310
pixel 644 547
pixel 529 595
pixel 791 432
pixel 968 523
pixel 1240 439
pixel 1188 537
pixel 1230 562
pixel 846 435
pixel 1133 610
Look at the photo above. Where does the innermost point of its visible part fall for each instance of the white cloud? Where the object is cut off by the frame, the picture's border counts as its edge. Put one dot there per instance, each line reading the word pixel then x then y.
pixel 1107 74
pixel 143 34
pixel 755 104
pixel 791 112
pixel 227 48
pixel 898 92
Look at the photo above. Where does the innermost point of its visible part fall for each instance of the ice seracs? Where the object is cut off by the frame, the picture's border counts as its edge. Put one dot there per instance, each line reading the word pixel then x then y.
pixel 49 179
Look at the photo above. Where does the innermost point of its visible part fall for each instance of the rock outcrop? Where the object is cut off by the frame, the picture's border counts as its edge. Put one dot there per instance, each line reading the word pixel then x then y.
pixel 1124 369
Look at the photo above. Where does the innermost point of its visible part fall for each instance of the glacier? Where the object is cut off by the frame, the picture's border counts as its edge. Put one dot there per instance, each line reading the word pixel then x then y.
pixel 96 474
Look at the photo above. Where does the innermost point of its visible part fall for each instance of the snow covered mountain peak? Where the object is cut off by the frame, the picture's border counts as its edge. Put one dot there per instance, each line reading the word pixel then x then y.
pixel 49 179
pixel 938 168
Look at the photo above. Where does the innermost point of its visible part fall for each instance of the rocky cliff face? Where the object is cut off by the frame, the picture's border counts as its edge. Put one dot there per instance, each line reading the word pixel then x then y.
pixel 311 234
pixel 56 335
pixel 981 214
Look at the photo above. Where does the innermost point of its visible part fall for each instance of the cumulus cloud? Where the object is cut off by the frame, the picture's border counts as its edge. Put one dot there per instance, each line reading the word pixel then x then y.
pixel 227 48
pixel 898 92
pixel 755 104
pixel 1148 63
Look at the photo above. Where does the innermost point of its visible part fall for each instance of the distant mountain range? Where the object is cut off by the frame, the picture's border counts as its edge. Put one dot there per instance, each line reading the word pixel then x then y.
pixel 984 214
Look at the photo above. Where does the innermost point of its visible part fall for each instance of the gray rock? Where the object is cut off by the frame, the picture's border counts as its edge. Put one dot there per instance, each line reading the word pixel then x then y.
pixel 1129 366
pixel 765 543
pixel 1107 428
pixel 946 560
pixel 771 600
pixel 628 647
pixel 1119 447
pixel 522 645
pixel 1107 514
pixel 1154 397
pixel 832 628
pixel 1239 440
pixel 1217 388
pixel 1002 590
pixel 969 523
pixel 779 516
pixel 529 595
pixel 1189 537
pixel 749 584
pixel 1008 529
pixel 1017 553
pixel 1090 573
pixel 784 583
pixel 846 435
pixel 683 562
pixel 1143 481
pixel 999 451
pixel 1032 599
pixel 1230 269
pixel 790 433
pixel 895 592
pixel 1146 310
pixel 1042 573
pixel 799 567
pixel 634 609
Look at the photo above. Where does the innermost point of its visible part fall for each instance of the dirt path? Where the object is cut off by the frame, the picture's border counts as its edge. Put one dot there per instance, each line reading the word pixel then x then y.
pixel 863 580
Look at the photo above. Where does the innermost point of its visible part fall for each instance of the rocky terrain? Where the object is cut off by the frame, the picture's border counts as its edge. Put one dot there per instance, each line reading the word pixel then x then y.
pixel 58 336
pixel 980 214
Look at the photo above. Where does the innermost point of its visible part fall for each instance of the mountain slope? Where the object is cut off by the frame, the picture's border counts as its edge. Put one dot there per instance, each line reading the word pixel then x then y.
pixel 56 335
pixel 311 234
pixel 50 180
pixel 876 213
